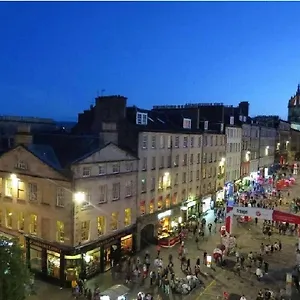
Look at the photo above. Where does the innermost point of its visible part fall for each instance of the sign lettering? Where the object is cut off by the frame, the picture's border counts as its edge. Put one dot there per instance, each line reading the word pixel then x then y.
pixel 242 211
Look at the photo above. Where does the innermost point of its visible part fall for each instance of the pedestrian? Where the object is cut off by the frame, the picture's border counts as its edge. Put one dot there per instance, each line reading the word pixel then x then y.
pixel 205 258
pixel 266 267
pixel 158 250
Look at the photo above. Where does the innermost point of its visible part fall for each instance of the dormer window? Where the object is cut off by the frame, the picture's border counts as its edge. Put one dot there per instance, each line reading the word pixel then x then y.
pixel 141 118
pixel 187 123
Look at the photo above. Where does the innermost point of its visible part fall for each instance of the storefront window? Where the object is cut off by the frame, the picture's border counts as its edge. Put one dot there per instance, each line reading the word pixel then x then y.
pixel 36 258
pixel 73 267
pixel 107 258
pixel 33 224
pixel 174 199
pixel 127 217
pixel 53 264
pixel 60 232
pixel 168 201
pixel 159 204
pixel 21 221
pixel 85 231
pixel 151 206
pixel 142 208
pixel 114 221
pixel 126 244
pixel 101 225
pixel 92 261
pixel 9 220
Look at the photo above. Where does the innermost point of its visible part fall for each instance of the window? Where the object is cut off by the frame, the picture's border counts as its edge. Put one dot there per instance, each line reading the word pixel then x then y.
pixel 142 208
pixel 144 141
pixel 198 158
pixel 116 191
pixel 161 141
pixel 144 166
pixel 102 170
pixel 114 221
pixel 169 141
pixel 60 197
pixel 151 207
pixel 101 225
pixel 184 177
pixel 199 142
pixel 102 193
pixel 129 167
pixel 85 231
pixel 152 183
pixel 160 182
pixel 191 159
pixel 21 190
pixel 185 142
pixel 160 203
pixel 204 158
pixel 184 163
pixel 176 162
pixel 176 142
pixel 141 118
pixel 176 179
pixel 153 163
pixel 9 218
pixel 21 165
pixel 191 176
pixel 192 142
pixel 153 142
pixel 86 172
pixel 127 217
pixel 128 188
pixel 32 191
pixel 143 186
pixel 197 175
pixel 33 224
pixel 169 161
pixel 204 173
pixel 87 199
pixel 21 221
pixel 162 162
pixel 8 188
pixel 60 232
pixel 116 168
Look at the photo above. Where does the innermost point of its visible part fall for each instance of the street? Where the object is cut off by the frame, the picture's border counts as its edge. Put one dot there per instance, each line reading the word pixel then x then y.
pixel 216 280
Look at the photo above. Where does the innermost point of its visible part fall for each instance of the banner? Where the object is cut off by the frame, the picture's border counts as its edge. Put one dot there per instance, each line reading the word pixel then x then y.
pixel 280 216
pixel 253 212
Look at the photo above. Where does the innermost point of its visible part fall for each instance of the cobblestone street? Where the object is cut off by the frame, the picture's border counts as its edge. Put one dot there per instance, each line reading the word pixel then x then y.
pixel 216 280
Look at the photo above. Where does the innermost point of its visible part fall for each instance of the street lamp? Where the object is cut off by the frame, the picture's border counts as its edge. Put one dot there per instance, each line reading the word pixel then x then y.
pixel 79 197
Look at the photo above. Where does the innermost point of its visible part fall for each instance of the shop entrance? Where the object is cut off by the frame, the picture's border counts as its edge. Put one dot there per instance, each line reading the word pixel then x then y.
pixel 147 235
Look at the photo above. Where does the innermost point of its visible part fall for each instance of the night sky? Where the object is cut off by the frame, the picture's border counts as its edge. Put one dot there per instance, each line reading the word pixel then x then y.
pixel 56 57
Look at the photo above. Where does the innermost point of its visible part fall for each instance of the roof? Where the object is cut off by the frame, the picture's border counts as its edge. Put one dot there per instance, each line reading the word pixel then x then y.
pixel 295 100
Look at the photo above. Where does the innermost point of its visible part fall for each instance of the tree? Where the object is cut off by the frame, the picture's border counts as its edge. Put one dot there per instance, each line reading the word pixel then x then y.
pixel 14 274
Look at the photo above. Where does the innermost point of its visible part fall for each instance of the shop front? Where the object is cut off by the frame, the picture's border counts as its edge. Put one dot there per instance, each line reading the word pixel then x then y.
pixel 168 229
pixel 220 196
pixel 62 264
pixel 189 209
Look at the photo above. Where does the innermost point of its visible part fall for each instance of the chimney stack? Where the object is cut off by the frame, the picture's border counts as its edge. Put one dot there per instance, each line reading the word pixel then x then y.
pixel 23 135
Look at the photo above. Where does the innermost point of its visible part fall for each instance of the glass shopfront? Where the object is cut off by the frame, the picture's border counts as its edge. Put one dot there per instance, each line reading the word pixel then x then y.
pixel 62 265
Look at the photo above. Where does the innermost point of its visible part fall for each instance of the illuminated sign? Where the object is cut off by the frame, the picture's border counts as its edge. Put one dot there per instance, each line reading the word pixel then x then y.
pixel 164 214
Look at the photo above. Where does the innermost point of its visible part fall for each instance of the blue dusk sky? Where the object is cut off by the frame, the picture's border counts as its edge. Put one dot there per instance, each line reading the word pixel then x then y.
pixel 55 57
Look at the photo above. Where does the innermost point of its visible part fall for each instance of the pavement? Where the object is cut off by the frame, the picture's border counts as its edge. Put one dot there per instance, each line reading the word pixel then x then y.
pixel 216 280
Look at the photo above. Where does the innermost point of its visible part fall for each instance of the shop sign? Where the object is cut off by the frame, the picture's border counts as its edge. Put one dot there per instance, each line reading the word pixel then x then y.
pixel 164 214
pixel 44 246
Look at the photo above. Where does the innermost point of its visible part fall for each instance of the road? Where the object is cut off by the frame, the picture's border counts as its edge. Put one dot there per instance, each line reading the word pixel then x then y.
pixel 216 280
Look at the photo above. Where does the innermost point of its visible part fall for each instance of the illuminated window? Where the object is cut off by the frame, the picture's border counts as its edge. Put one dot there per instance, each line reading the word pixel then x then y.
pixel 151 206
pixel 160 203
pixel 85 231
pixel 101 225
pixel 174 199
pixel 160 182
pixel 60 232
pixel 21 190
pixel 9 219
pixel 168 201
pixel 114 221
pixel 142 208
pixel 33 224
pixel 21 221
pixel 143 185
pixel 8 188
pixel 127 217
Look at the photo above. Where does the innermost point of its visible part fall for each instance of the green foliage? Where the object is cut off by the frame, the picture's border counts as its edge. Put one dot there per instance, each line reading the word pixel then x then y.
pixel 14 274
